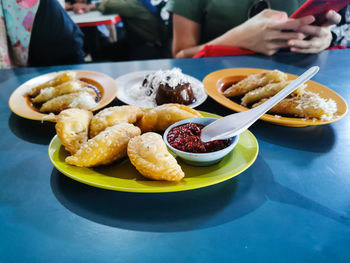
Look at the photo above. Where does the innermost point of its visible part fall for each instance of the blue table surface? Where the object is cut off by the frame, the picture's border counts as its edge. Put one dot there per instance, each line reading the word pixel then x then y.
pixel 291 205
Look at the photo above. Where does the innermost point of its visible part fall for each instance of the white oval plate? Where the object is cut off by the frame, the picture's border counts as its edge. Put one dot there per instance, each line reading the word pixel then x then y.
pixel 131 81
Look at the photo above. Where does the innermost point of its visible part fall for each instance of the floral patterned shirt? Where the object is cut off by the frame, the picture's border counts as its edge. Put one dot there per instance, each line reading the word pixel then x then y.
pixel 16 20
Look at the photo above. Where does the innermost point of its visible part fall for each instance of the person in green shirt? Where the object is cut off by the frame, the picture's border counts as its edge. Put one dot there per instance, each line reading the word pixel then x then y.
pixel 146 32
pixel 243 24
pixel 137 18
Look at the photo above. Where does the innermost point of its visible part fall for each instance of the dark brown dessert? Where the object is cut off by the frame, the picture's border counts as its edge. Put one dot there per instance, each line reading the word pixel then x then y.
pixel 182 94
pixel 169 86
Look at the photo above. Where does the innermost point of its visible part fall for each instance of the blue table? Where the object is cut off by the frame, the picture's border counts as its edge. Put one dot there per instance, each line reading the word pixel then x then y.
pixel 291 205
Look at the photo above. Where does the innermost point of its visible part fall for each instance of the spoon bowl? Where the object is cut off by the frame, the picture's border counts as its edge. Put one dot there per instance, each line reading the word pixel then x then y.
pixel 200 159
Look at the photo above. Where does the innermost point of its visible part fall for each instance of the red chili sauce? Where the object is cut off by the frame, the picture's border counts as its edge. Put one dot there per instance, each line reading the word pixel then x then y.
pixel 186 137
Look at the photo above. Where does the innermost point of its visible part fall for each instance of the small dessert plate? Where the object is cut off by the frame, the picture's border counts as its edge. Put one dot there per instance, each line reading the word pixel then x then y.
pixel 129 92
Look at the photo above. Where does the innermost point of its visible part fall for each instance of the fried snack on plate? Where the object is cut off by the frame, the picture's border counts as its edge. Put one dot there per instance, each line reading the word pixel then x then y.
pixel 114 115
pixel 105 148
pixel 309 105
pixel 72 128
pixel 59 79
pixel 85 99
pixel 254 81
pixel 268 91
pixel 149 154
pixel 161 117
pixel 64 88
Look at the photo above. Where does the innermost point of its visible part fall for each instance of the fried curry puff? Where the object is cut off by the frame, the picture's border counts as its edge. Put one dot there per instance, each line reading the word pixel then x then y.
pixel 309 105
pixel 255 81
pixel 57 80
pixel 161 117
pixel 114 115
pixel 85 99
pixel 106 147
pixel 149 154
pixel 72 128
pixel 268 91
pixel 65 88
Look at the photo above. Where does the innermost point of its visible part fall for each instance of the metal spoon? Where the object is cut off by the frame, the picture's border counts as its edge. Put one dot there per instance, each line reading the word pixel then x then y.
pixel 237 123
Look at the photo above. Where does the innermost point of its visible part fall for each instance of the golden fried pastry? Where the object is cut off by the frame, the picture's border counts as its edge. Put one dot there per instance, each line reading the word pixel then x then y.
pixel 161 117
pixel 149 154
pixel 114 115
pixel 85 99
pixel 106 147
pixel 309 105
pixel 59 79
pixel 64 88
pixel 254 81
pixel 268 91
pixel 72 128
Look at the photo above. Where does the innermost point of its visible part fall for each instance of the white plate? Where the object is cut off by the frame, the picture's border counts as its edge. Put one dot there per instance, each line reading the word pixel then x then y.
pixel 131 81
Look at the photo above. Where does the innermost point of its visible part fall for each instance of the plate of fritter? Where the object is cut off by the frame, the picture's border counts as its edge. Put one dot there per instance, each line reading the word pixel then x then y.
pixel 241 89
pixel 148 89
pixel 121 148
pixel 45 96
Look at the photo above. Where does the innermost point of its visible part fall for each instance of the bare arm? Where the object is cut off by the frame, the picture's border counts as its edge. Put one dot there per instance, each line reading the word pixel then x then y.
pixel 186 37
pixel 81 8
pixel 264 33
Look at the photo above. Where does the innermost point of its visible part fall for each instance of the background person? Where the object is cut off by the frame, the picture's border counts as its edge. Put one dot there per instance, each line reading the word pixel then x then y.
pixel 37 33
pixel 253 25
pixel 341 31
pixel 96 38
pixel 147 27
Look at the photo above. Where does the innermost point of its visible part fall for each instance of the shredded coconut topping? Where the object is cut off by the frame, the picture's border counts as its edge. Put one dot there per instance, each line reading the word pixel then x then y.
pixel 172 78
pixel 310 99
pixel 83 101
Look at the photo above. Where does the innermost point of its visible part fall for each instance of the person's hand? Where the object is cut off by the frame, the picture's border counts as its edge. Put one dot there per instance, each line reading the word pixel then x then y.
pixel 269 31
pixel 318 37
pixel 67 6
pixel 80 8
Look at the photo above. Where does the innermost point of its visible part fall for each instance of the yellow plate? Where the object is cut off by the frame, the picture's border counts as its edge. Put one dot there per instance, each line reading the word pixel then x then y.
pixel 216 81
pixel 21 105
pixel 123 176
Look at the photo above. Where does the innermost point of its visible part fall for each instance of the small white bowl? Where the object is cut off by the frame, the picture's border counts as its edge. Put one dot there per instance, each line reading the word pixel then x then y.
pixel 200 159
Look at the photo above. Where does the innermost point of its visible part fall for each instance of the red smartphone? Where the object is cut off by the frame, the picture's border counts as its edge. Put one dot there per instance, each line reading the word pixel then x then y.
pixel 319 8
